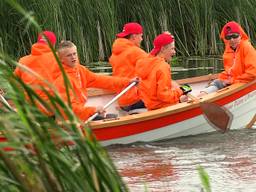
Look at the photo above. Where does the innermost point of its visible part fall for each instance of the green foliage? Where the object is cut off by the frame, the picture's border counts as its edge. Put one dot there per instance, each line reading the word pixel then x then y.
pixel 47 154
pixel 205 180
pixel 92 25
pixel 41 160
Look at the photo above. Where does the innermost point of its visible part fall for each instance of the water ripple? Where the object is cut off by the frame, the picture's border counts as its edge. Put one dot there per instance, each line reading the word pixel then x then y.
pixel 229 159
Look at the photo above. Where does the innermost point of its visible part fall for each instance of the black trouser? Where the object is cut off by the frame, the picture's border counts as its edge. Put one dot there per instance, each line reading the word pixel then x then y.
pixel 108 116
pixel 140 104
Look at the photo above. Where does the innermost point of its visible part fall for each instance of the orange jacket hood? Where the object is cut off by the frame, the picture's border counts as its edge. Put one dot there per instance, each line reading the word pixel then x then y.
pixel 244 36
pixel 39 49
pixel 239 64
pixel 67 69
pixel 156 88
pixel 123 59
pixel 120 45
pixel 42 61
pixel 143 69
pixel 81 78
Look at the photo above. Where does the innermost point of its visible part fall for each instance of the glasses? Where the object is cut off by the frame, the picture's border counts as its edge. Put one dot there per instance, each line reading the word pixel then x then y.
pixel 232 36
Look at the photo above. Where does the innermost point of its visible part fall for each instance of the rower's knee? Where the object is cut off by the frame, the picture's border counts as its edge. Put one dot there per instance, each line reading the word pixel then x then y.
pixel 214 86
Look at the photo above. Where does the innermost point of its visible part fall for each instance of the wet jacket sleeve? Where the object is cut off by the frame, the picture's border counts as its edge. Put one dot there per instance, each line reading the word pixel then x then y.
pixel 137 54
pixel 81 111
pixel 228 57
pixel 248 61
pixel 17 72
pixel 105 82
pixel 223 75
pixel 166 93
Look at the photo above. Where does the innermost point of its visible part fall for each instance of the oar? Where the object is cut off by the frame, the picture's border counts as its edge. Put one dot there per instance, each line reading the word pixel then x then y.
pixel 6 103
pixel 113 100
pixel 218 117
pixel 251 123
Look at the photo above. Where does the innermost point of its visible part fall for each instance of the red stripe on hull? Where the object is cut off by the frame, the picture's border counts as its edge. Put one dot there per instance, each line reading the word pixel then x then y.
pixel 236 95
pixel 103 134
pixel 108 133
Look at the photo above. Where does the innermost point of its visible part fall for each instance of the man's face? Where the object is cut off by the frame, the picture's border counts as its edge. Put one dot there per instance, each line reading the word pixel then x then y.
pixel 137 38
pixel 169 51
pixel 68 56
pixel 233 39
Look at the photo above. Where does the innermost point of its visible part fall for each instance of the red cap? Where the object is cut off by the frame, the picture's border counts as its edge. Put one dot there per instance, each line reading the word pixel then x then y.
pixel 160 41
pixel 231 27
pixel 130 28
pixel 50 35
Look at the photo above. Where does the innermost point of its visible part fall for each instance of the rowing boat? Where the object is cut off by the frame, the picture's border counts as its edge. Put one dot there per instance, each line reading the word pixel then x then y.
pixel 179 120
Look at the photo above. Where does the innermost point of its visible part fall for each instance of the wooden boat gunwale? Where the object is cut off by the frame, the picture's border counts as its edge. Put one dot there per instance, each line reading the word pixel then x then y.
pixel 174 121
pixel 221 97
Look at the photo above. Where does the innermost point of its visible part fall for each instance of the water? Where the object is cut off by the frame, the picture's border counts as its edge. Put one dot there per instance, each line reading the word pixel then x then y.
pixel 229 159
pixel 181 68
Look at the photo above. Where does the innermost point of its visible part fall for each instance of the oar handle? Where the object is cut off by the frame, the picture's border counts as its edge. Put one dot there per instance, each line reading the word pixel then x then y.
pixel 113 100
pixel 120 94
pixel 92 117
pixel 6 103
pixel 195 99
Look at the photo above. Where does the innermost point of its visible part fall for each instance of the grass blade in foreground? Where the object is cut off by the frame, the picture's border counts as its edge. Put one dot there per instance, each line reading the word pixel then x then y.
pixel 41 159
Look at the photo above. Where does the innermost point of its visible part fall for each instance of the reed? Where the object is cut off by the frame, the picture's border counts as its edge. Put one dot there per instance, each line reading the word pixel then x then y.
pixel 37 155
pixel 205 179
pixel 92 25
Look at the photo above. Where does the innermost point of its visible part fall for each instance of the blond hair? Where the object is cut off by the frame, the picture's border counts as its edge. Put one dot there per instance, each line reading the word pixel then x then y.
pixel 65 45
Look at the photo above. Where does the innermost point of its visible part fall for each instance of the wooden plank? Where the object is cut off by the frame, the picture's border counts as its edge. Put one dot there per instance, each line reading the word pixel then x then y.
pixel 154 114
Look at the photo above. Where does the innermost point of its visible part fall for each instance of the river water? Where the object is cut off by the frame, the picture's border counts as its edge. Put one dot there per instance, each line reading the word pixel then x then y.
pixel 229 159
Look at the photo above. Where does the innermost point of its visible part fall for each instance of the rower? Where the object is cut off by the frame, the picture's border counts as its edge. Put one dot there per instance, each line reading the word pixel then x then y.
pixel 80 79
pixel 239 59
pixel 126 52
pixel 156 87
pixel 38 67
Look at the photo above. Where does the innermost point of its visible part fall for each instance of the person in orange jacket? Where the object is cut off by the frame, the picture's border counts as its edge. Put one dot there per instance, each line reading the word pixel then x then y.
pixel 156 87
pixel 239 59
pixel 126 52
pixel 41 61
pixel 81 78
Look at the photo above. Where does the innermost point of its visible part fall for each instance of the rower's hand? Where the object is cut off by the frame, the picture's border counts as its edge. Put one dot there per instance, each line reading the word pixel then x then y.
pixel 100 110
pixel 135 79
pixel 227 82
pixel 183 98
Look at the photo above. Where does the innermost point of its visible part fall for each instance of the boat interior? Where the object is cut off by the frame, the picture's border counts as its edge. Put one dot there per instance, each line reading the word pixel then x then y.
pixel 99 97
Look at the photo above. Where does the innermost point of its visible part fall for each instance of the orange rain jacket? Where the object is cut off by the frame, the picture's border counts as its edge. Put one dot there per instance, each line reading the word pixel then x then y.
pixel 155 87
pixel 239 65
pixel 81 78
pixel 123 60
pixel 42 61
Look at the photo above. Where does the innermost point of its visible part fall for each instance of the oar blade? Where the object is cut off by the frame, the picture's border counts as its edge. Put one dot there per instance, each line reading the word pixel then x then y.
pixel 218 117
pixel 251 123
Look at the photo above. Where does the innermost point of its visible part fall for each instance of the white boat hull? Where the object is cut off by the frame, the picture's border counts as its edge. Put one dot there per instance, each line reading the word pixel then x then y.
pixel 173 122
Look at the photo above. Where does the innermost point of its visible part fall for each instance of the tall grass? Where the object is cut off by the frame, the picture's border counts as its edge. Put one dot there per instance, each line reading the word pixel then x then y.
pixel 92 25
pixel 41 157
